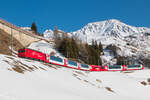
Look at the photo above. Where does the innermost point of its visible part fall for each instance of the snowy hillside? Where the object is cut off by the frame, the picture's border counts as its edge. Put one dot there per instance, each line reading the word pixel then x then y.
pixel 23 79
pixel 45 47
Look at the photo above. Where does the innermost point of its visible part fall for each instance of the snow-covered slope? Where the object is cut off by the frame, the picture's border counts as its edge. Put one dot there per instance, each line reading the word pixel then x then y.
pixel 38 81
pixel 44 47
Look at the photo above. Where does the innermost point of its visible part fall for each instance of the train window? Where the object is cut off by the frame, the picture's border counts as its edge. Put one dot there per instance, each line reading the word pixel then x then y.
pixel 72 63
pixel 115 67
pixel 23 50
pixel 133 66
pixel 56 58
pixel 102 67
pixel 84 66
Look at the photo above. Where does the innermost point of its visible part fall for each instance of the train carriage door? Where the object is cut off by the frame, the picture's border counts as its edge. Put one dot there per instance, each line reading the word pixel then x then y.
pixel 106 68
pixel 47 58
pixel 141 66
pixel 79 66
pixel 124 67
pixel 27 53
pixel 65 62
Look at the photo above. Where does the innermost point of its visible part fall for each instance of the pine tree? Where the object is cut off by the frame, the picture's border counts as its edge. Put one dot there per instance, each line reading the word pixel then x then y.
pixel 93 54
pixel 90 54
pixel 75 50
pixel 100 47
pixel 34 28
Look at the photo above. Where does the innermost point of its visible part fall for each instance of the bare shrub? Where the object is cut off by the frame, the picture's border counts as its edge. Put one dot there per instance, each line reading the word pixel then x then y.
pixel 144 83
pixel 18 69
pixel 109 89
pixel 148 80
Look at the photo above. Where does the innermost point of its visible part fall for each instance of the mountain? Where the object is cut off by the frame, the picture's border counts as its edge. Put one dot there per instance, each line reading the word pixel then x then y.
pixel 109 28
pixel 117 38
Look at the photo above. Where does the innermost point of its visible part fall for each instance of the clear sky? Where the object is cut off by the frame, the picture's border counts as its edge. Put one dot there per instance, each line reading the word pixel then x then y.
pixel 71 15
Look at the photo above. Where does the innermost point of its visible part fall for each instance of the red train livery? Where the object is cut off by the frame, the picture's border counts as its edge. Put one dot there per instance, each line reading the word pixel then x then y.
pixel 39 56
pixel 32 54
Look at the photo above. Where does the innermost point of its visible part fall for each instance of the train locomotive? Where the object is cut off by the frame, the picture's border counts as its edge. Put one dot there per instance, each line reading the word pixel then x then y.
pixel 39 56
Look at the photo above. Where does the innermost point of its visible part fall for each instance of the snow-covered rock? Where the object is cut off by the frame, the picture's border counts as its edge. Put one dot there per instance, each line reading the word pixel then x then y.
pixel 48 34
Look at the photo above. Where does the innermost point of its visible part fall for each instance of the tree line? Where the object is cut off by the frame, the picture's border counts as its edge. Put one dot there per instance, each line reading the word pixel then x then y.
pixel 78 51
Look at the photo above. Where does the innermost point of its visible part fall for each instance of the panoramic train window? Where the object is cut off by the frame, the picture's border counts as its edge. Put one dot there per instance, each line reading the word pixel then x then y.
pixel 133 66
pixel 115 67
pixel 102 67
pixel 23 50
pixel 56 58
pixel 84 65
pixel 72 63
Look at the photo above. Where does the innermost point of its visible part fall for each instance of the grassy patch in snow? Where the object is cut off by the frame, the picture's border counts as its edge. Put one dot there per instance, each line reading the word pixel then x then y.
pixel 99 81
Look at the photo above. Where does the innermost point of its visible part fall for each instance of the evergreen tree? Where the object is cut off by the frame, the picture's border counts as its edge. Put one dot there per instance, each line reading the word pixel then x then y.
pixel 100 46
pixel 34 28
pixel 90 54
pixel 75 50
pixel 93 54
pixel 95 45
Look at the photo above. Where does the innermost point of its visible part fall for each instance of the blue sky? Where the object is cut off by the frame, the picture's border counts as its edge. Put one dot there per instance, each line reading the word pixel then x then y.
pixel 71 15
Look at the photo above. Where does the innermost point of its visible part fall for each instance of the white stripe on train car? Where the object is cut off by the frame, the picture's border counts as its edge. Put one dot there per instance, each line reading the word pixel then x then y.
pixel 53 61
pixel 72 66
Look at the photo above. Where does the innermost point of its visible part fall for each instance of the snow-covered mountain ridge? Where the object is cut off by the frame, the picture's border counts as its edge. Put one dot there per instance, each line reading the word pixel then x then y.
pixel 108 28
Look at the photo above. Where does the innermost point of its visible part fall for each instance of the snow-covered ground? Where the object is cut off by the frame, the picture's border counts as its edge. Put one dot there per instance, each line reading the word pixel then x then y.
pixel 45 47
pixel 38 81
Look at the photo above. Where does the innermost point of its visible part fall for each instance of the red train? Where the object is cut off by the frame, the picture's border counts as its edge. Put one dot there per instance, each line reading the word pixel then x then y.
pixel 33 54
pixel 39 56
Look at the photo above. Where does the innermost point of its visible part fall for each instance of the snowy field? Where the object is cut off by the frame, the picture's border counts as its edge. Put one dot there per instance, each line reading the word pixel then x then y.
pixel 22 79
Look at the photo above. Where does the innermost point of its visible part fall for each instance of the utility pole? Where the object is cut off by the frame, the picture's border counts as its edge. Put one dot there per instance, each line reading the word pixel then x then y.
pixel 11 41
